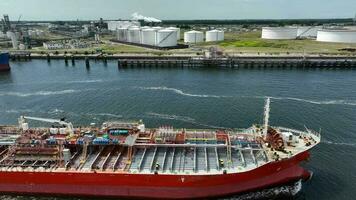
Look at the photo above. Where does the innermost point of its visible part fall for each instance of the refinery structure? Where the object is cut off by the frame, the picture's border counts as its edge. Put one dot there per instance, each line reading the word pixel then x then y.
pixel 150 32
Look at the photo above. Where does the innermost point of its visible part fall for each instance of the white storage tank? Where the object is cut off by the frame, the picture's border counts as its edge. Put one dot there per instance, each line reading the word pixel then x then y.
pixel 134 35
pixel 214 35
pixel 166 38
pixel 193 37
pixel 157 28
pixel 175 29
pixel 148 36
pixel 122 34
pixel 307 31
pixel 279 33
pixel 340 36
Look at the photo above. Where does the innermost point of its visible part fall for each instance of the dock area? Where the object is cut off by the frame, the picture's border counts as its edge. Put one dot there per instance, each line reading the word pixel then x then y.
pixel 176 60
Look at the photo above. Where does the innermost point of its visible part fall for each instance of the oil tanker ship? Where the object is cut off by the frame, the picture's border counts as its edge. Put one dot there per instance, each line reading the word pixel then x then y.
pixel 4 62
pixel 126 159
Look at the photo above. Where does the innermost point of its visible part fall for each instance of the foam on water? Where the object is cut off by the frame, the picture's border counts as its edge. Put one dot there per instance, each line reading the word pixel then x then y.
pixel 86 81
pixel 38 93
pixel 321 102
pixel 18 111
pixel 339 143
pixel 171 117
pixel 181 118
pixel 318 102
pixel 109 115
pixel 272 193
pixel 180 92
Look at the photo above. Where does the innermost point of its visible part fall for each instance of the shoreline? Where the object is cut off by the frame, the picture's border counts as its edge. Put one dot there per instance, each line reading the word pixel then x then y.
pixel 27 54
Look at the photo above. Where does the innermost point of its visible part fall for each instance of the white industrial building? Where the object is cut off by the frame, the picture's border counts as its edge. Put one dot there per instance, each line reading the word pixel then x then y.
pixel 279 33
pixel 214 35
pixel 114 25
pixel 193 37
pixel 337 35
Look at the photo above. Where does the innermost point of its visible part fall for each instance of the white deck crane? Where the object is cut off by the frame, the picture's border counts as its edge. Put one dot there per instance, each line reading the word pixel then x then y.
pixel 67 125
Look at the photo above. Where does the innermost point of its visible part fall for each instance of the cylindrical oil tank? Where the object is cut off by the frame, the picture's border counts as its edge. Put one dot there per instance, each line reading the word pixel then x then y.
pixel 145 27
pixel 134 35
pixel 279 33
pixel 166 38
pixel 308 31
pixel 340 36
pixel 214 35
pixel 148 36
pixel 193 37
pixel 122 34
pixel 175 29
pixel 157 28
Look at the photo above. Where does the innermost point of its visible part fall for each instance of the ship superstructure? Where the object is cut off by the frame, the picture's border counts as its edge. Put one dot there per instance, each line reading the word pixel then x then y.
pixel 126 159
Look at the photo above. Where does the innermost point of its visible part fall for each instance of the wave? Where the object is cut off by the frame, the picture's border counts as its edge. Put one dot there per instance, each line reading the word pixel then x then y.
pixel 181 118
pixel 180 92
pixel 271 193
pixel 339 143
pixel 85 81
pixel 109 115
pixel 321 102
pixel 56 111
pixel 18 111
pixel 38 93
pixel 172 117
pixel 325 102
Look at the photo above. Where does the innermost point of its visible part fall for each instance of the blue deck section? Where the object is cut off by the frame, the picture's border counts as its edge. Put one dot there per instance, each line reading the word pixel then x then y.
pixel 4 58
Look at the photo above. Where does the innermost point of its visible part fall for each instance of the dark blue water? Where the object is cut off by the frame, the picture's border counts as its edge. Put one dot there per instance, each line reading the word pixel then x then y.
pixel 199 98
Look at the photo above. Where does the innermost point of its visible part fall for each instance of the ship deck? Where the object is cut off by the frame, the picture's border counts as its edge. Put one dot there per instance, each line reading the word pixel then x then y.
pixel 202 153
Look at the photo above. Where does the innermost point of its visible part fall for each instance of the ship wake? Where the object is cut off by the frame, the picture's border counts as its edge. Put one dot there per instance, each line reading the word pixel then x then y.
pixel 180 92
pixel 320 102
pixel 180 118
pixel 339 143
pixel 325 102
pixel 38 93
pixel 281 192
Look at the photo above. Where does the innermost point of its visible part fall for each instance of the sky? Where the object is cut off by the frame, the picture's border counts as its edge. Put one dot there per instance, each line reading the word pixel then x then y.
pixel 177 9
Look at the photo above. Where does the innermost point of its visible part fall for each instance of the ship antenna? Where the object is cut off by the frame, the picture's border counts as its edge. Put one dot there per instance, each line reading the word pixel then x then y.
pixel 266 117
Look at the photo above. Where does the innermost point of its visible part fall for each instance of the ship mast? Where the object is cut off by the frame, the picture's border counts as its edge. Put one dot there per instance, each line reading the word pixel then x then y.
pixel 266 117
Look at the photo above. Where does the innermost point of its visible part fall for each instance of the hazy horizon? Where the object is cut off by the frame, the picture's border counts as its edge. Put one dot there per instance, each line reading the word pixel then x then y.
pixel 43 10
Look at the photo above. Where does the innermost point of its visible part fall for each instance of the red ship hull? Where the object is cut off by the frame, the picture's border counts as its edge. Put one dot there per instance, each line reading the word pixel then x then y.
pixel 156 186
pixel 4 67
